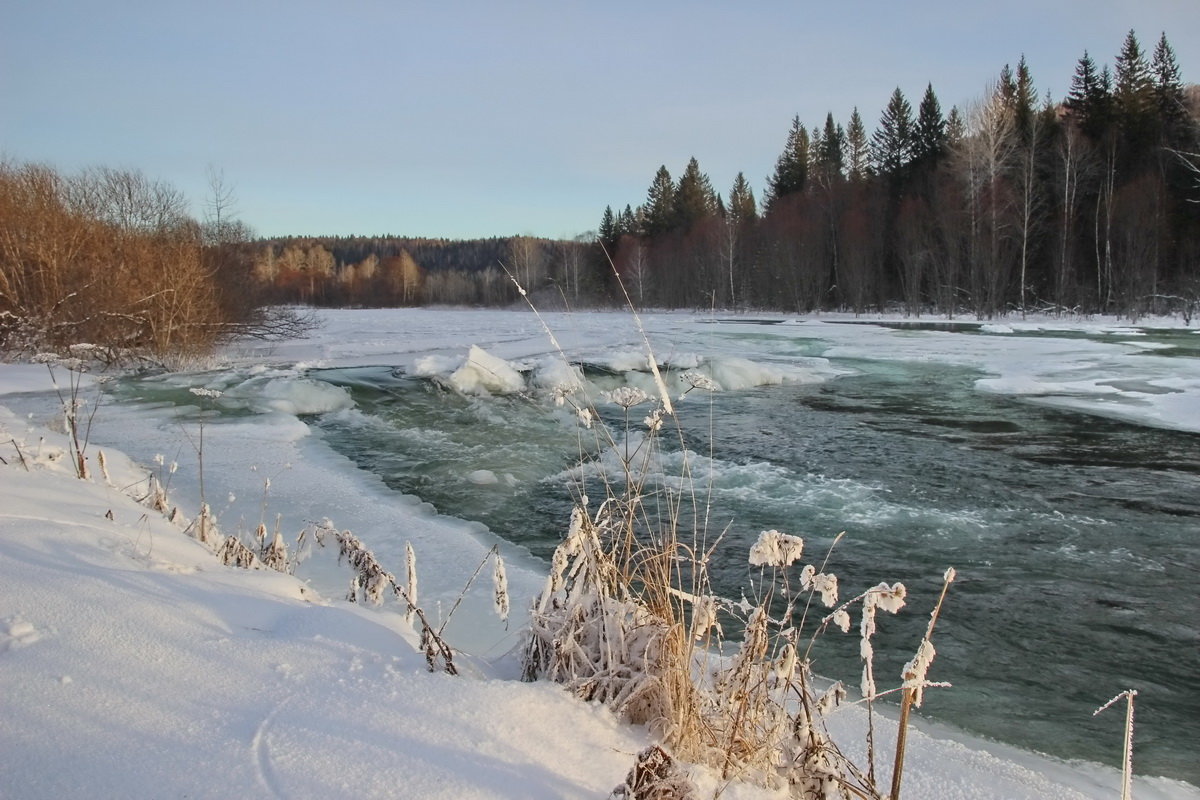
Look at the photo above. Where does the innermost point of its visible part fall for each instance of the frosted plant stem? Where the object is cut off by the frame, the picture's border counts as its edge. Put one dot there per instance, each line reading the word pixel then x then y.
pixel 1127 777
pixel 1127 767
pixel 910 692
pixel 637 320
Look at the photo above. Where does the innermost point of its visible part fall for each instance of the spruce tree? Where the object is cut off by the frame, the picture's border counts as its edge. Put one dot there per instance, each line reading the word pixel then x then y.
pixel 1006 87
pixel 829 156
pixel 857 154
pixel 929 140
pixel 892 143
pixel 791 169
pixel 694 196
pixel 1089 99
pixel 626 223
pixel 1024 100
pixel 1174 120
pixel 608 229
pixel 741 208
pixel 659 209
pixel 1133 96
pixel 956 128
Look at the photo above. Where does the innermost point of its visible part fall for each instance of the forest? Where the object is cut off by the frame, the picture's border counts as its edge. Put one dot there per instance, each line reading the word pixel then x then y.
pixel 1016 203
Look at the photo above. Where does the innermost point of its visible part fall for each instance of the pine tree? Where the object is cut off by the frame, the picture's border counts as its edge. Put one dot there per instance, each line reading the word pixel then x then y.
pixel 791 169
pixel 892 143
pixel 930 134
pixel 694 196
pixel 659 209
pixel 857 154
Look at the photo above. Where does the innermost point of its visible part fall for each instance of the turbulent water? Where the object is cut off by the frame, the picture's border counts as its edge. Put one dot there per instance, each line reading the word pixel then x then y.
pixel 1074 537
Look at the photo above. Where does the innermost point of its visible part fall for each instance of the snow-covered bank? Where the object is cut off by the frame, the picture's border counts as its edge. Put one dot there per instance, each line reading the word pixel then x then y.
pixel 351 659
pixel 133 664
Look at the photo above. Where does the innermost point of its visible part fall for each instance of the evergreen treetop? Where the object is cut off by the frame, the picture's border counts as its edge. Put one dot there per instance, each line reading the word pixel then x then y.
pixel 929 137
pixel 694 196
pixel 791 169
pixel 659 209
pixel 741 208
pixel 892 143
pixel 857 153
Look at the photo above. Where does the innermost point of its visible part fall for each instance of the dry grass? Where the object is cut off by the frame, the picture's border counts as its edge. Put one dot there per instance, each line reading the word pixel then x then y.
pixel 628 618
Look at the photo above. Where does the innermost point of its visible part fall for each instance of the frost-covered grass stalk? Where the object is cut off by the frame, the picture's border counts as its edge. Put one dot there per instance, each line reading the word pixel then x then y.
pixel 628 617
pixel 1127 761
pixel 371 582
pixel 205 524
pixel 915 674
pixel 76 365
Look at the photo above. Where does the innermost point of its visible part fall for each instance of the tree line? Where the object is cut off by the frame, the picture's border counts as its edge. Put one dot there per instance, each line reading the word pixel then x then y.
pixel 409 271
pixel 1012 204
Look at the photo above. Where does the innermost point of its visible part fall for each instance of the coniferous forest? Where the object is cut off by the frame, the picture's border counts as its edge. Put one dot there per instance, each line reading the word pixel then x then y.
pixel 1016 203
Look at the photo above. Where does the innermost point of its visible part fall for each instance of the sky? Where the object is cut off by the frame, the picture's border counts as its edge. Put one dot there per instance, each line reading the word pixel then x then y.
pixel 475 119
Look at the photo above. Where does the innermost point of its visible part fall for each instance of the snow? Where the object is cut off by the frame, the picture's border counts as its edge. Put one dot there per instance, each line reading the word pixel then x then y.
pixel 133 664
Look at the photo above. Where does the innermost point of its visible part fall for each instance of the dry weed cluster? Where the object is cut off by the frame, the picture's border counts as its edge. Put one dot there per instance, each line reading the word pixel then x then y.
pixel 628 617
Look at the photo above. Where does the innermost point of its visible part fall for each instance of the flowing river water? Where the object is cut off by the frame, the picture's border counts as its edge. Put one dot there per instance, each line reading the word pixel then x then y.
pixel 1074 536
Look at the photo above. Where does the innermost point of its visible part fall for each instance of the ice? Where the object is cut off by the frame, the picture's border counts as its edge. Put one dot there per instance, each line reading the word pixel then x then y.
pixel 733 373
pixel 627 361
pixel 1092 377
pixel 483 477
pixel 556 375
pixel 301 396
pixel 484 373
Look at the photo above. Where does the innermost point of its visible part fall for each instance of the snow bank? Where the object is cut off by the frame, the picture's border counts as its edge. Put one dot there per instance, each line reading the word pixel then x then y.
pixel 132 664
pixel 19 378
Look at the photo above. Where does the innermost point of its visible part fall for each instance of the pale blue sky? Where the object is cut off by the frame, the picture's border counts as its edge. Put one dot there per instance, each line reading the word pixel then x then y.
pixel 464 119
